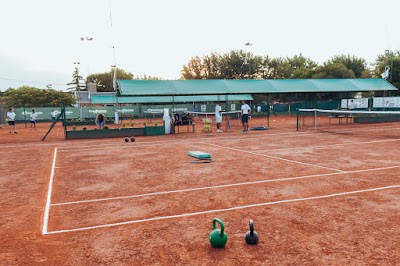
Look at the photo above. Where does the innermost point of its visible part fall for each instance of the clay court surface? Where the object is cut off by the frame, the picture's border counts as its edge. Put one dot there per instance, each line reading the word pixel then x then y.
pixel 315 198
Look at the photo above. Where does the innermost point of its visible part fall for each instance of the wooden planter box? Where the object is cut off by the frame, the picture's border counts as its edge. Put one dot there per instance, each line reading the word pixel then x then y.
pixel 104 133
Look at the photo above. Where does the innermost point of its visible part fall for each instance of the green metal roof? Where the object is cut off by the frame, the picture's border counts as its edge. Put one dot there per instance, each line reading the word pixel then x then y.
pixel 225 86
pixel 110 99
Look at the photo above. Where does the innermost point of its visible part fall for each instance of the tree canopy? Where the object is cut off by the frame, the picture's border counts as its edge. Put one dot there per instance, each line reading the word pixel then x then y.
pixel 34 97
pixel 244 65
pixel 104 81
pixel 391 60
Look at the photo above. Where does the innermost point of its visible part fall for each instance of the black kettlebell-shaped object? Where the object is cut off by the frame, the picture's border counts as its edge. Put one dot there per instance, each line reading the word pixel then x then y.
pixel 251 236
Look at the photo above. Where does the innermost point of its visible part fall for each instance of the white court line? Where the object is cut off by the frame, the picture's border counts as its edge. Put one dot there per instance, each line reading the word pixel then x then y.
pixel 274 157
pixel 184 140
pixel 223 210
pixel 47 208
pixel 331 145
pixel 221 186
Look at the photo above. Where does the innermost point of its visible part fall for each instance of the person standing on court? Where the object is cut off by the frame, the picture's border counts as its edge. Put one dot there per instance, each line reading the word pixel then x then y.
pixel 11 120
pixel 245 116
pixel 32 118
pixel 53 115
pixel 218 117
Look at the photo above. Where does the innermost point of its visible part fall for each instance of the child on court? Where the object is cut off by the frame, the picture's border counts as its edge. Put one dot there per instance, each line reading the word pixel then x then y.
pixel 11 120
pixel 53 115
pixel 100 121
pixel 33 117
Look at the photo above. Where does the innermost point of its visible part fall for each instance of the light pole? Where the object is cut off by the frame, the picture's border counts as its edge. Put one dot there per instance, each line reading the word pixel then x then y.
pixel 84 40
pixel 248 44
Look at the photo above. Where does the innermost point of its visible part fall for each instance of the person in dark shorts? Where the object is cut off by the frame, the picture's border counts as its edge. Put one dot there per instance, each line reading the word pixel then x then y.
pixel 53 115
pixel 11 120
pixel 100 121
pixel 32 118
pixel 245 116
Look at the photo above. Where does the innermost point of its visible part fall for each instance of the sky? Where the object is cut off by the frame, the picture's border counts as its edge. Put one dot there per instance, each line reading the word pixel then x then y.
pixel 41 39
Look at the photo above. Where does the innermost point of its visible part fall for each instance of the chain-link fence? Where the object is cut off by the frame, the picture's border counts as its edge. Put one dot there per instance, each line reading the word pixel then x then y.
pixel 3 114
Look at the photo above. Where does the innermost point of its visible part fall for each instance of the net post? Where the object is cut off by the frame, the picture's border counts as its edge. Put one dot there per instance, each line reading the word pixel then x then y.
pixel 315 119
pixel 297 119
pixel 25 117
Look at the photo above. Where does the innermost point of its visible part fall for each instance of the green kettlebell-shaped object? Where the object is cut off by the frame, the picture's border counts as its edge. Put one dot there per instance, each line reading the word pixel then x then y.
pixel 218 237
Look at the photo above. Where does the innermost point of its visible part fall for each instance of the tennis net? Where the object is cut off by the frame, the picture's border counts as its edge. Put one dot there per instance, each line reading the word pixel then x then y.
pixel 369 123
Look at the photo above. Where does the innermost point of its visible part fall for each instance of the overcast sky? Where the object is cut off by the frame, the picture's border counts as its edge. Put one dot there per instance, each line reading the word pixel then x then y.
pixel 42 38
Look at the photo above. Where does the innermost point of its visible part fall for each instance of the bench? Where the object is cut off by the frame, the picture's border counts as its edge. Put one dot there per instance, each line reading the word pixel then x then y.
pixel 188 126
pixel 349 119
pixel 183 121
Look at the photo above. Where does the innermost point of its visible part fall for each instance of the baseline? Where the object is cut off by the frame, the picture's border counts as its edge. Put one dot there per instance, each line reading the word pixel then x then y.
pixel 184 140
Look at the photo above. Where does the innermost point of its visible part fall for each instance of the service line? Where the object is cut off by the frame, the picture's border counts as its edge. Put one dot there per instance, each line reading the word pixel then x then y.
pixel 331 145
pixel 221 186
pixel 224 210
pixel 48 201
pixel 274 157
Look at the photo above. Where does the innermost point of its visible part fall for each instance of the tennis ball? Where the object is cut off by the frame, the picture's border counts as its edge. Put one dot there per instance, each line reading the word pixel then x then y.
pixel 133 139
pixel 126 140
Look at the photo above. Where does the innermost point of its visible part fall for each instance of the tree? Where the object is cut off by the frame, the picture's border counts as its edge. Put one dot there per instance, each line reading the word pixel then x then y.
pixel 356 64
pixel 233 65
pixel 391 60
pixel 34 97
pixel 333 70
pixel 297 67
pixel 76 81
pixel 104 81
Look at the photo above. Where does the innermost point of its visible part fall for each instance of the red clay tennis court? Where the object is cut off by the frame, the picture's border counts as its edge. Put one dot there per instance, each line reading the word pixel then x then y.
pixel 315 198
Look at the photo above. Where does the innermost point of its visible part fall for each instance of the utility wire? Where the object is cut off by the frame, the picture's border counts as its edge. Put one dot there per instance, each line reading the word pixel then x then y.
pixel 36 82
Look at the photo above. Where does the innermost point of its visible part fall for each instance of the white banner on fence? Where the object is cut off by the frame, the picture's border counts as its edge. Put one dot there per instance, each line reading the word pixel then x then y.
pixel 354 103
pixel 386 102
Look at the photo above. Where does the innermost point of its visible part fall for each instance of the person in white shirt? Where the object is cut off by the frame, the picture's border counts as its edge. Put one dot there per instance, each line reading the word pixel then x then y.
pixel 11 120
pixel 245 116
pixel 33 117
pixel 218 117
pixel 53 115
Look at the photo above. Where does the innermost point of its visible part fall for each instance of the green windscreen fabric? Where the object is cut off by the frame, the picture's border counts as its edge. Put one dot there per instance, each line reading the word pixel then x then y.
pixel 110 99
pixel 214 87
